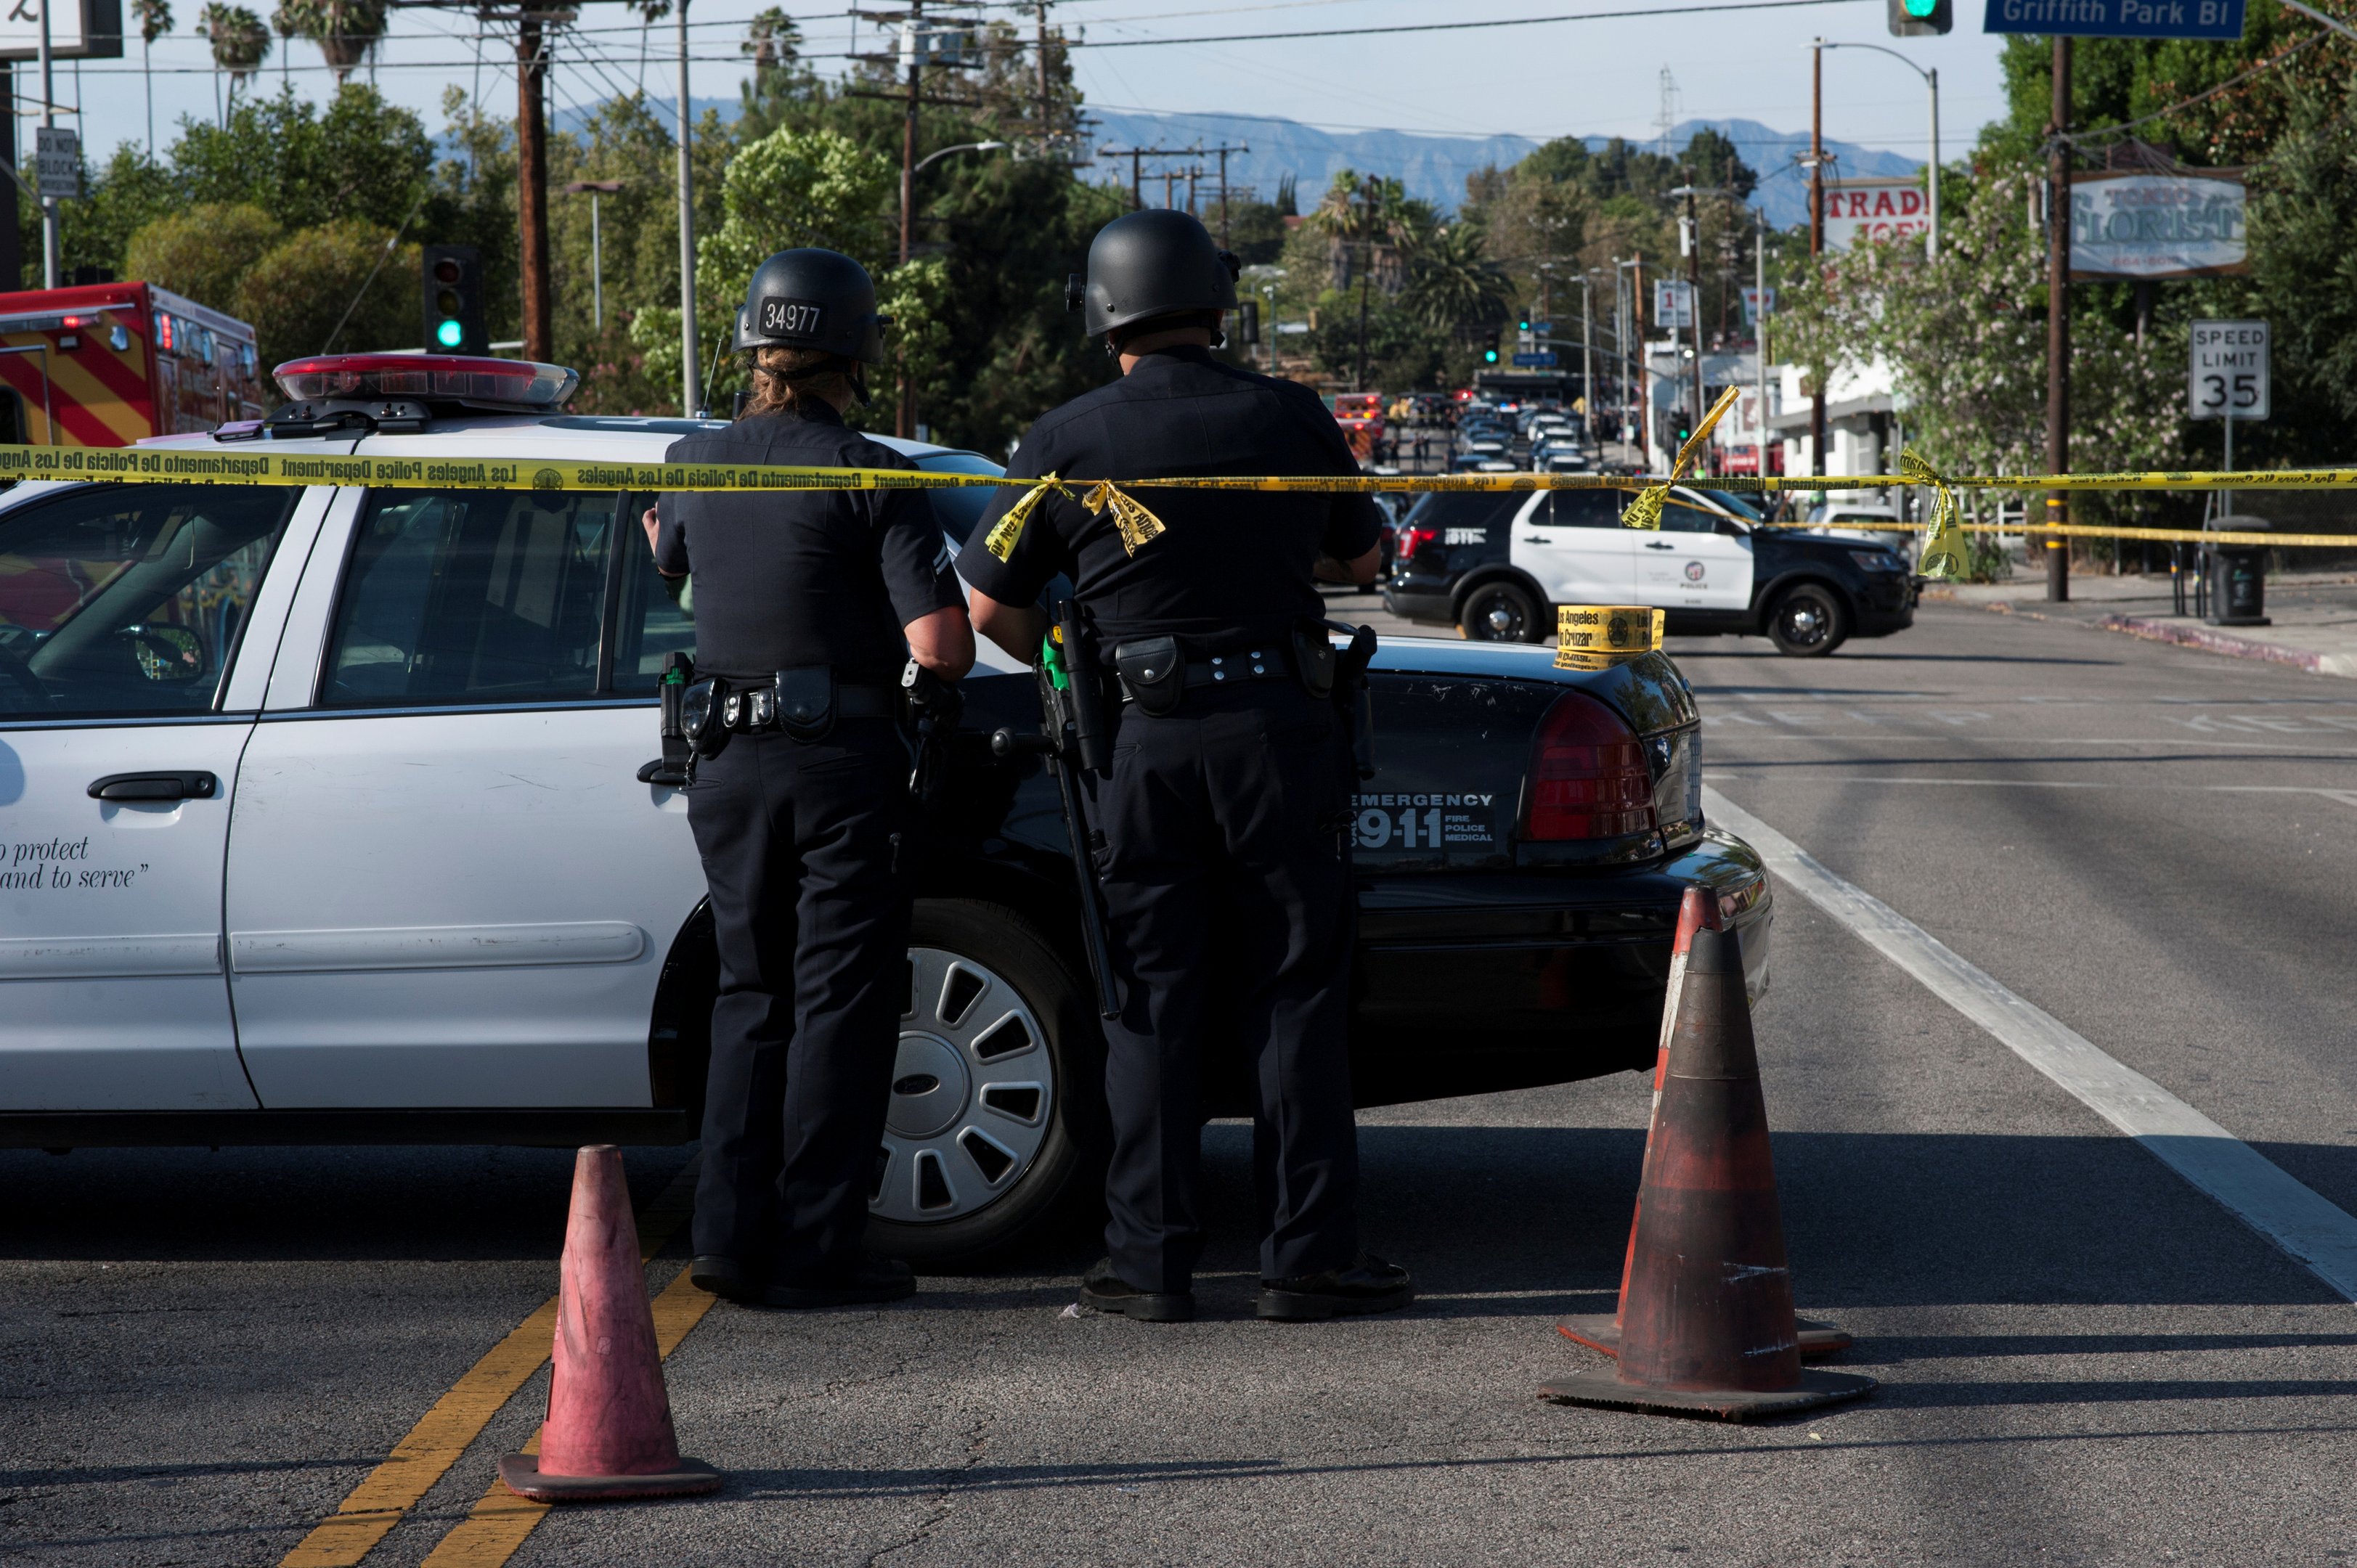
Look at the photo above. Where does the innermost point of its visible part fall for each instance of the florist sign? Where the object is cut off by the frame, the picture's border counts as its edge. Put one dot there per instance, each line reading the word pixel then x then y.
pixel 2157 226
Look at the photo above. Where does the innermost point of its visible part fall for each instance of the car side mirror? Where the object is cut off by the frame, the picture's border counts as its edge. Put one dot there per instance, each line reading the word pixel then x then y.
pixel 169 654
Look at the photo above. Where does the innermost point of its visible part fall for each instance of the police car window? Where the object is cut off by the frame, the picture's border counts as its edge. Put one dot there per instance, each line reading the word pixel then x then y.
pixel 1477 509
pixel 129 598
pixel 471 596
pixel 657 615
pixel 959 509
pixel 1582 509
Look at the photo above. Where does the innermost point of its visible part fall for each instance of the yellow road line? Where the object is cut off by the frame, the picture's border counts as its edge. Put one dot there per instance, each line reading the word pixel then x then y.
pixel 499 1520
pixel 459 1417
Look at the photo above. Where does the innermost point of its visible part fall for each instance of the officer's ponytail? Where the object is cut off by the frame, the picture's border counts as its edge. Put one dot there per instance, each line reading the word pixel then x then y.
pixel 782 376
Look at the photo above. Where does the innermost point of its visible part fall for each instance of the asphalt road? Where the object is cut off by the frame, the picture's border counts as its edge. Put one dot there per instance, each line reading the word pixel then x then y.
pixel 2083 1359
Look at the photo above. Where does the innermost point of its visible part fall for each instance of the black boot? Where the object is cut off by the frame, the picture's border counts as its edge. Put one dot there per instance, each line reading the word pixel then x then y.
pixel 1103 1290
pixel 1368 1285
pixel 725 1278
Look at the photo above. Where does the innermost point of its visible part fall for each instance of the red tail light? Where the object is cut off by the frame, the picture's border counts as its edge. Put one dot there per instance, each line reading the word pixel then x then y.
pixel 1411 540
pixel 1588 778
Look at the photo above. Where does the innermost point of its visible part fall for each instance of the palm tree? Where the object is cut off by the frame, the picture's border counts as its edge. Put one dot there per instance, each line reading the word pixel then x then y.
pixel 346 31
pixel 773 41
pixel 1452 282
pixel 649 13
pixel 240 41
pixel 155 20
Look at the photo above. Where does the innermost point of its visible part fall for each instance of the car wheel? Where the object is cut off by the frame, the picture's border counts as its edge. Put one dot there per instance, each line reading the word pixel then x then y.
pixel 1500 612
pixel 1808 622
pixel 992 1132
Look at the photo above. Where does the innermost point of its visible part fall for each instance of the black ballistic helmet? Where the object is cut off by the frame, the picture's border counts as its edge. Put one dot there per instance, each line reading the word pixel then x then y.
pixel 812 299
pixel 1148 263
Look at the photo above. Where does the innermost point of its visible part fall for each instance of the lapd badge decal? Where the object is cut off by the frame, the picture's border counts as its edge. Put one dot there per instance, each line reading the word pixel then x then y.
pixel 783 317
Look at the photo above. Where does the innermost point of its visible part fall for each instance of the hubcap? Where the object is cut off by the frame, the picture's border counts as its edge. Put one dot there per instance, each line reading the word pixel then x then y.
pixel 1500 618
pixel 1804 623
pixel 971 1092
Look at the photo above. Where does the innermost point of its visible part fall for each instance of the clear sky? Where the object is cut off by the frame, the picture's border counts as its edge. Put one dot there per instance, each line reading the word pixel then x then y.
pixel 1600 78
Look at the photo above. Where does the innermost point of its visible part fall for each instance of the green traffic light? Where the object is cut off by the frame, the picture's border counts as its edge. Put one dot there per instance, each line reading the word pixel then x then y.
pixel 1490 356
pixel 450 334
pixel 1525 324
pixel 1921 9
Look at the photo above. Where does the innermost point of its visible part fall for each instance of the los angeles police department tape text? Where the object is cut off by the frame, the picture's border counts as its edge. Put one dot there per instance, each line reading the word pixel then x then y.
pixel 264 467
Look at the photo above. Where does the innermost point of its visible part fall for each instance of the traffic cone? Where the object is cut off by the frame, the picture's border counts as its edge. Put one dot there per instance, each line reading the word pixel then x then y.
pixel 1707 1328
pixel 609 1431
pixel 1599 1331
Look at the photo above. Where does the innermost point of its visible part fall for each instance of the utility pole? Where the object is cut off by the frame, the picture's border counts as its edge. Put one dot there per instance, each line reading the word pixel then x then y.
pixel 1760 328
pixel 532 182
pixel 1047 121
pixel 1817 235
pixel 912 55
pixel 2058 322
pixel 1587 359
pixel 1368 192
pixel 51 258
pixel 1223 153
pixel 688 385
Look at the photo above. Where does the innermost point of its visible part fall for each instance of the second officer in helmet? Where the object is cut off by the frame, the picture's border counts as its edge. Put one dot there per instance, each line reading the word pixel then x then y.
pixel 809 607
pixel 1224 850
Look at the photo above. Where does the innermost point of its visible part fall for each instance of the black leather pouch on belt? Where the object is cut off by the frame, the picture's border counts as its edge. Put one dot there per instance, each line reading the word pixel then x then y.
pixel 1153 673
pixel 1314 659
pixel 806 702
pixel 700 720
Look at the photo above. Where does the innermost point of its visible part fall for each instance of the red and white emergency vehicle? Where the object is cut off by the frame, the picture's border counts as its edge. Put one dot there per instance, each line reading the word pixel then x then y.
pixel 108 364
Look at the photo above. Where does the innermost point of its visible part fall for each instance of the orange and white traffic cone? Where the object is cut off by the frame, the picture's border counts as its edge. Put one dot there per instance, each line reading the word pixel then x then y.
pixel 1707 1327
pixel 1601 1331
pixel 609 1431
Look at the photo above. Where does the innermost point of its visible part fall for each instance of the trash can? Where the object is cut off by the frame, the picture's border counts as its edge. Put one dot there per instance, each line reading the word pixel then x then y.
pixel 2238 577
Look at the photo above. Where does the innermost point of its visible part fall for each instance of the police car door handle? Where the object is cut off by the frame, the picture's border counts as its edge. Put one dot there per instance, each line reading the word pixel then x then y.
pixel 1655 545
pixel 160 786
pixel 1535 538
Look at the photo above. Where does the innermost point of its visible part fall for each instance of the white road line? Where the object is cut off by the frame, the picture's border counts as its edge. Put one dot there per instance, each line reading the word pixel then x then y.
pixel 2344 797
pixel 2315 1233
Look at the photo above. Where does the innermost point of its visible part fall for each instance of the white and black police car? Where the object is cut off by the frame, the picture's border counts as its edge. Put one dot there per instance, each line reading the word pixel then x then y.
pixel 322 820
pixel 1495 564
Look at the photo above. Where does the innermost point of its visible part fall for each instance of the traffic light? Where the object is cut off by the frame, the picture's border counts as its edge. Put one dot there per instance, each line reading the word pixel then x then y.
pixel 1248 322
pixel 1522 325
pixel 1490 350
pixel 1919 18
pixel 453 301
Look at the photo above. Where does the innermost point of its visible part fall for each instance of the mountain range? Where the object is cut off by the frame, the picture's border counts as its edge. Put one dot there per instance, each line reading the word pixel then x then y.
pixel 1431 166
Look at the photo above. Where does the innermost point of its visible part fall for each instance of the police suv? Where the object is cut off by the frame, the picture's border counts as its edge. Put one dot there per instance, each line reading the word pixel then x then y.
pixel 1495 564
pixel 326 815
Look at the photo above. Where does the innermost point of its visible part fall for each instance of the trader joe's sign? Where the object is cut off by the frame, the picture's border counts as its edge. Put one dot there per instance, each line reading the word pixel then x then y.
pixel 2157 226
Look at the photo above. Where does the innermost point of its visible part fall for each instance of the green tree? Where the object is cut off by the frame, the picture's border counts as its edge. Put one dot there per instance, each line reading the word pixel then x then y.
pixel 331 285
pixel 205 251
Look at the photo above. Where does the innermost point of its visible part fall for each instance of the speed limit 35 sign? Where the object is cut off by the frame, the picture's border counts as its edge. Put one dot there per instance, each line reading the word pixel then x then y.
pixel 2229 371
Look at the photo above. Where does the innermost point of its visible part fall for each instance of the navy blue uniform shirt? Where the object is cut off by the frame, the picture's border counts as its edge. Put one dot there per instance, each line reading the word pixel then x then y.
pixel 790 578
pixel 1229 565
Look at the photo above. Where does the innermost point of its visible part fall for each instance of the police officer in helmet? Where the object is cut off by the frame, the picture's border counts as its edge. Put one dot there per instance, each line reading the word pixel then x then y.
pixel 1223 819
pixel 809 604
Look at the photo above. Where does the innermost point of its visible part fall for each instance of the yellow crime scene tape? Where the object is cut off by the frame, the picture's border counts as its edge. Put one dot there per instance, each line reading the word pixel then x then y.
pixel 1138 526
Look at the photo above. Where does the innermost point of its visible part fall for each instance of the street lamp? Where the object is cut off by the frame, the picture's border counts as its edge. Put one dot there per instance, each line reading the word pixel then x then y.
pixel 961 147
pixel 594 189
pixel 1931 79
pixel 1264 275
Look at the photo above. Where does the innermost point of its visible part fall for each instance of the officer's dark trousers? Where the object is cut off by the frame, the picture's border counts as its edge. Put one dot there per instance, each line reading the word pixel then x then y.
pixel 1213 851
pixel 812 916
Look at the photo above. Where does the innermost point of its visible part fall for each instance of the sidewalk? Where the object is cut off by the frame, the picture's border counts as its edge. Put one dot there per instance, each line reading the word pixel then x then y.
pixel 2314 614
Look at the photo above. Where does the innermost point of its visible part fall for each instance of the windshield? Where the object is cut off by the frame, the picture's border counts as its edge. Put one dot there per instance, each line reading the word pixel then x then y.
pixel 957 511
pixel 1736 504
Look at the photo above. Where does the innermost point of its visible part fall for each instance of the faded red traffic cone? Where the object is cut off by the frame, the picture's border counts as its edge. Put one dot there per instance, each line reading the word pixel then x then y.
pixel 1599 1331
pixel 609 1431
pixel 1707 1327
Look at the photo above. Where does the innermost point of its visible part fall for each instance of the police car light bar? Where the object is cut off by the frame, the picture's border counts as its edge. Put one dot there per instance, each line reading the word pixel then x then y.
pixel 509 383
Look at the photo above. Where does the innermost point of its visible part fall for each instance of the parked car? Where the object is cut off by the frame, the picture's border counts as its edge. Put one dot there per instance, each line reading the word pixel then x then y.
pixel 327 823
pixel 1502 562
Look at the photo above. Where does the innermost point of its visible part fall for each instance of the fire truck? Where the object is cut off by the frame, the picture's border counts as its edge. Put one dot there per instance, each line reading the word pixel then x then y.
pixel 1361 416
pixel 108 364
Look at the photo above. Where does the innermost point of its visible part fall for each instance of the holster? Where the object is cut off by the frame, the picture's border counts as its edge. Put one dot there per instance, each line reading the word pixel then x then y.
pixel 805 702
pixel 1154 673
pixel 1314 659
pixel 1353 694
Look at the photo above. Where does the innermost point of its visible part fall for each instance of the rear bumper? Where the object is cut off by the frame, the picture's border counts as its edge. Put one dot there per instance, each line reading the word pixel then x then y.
pixel 1420 603
pixel 1475 983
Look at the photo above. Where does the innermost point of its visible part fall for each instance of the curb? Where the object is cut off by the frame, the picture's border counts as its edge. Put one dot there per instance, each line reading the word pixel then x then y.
pixel 2214 641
